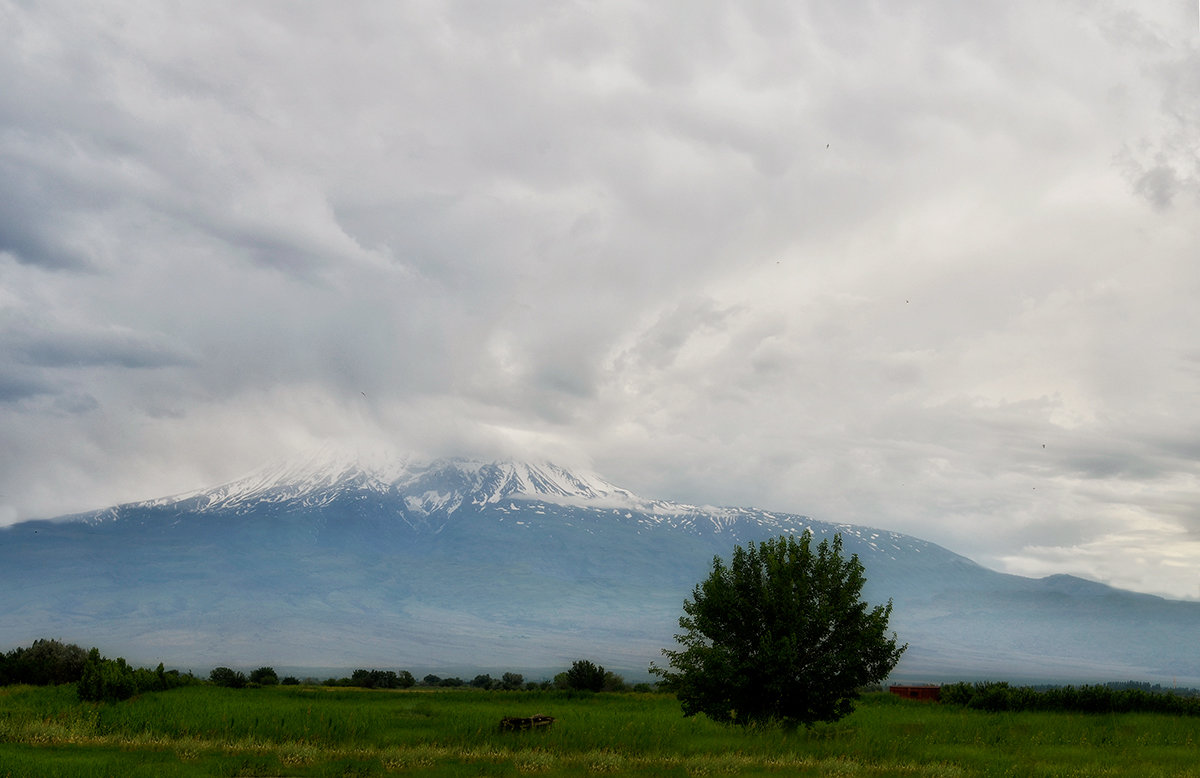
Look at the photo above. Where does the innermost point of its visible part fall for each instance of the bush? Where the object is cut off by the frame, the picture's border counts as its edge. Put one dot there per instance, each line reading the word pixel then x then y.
pixel 999 696
pixel 105 680
pixel 227 677
pixel 45 663
pixel 613 682
pixel 382 679
pixel 585 676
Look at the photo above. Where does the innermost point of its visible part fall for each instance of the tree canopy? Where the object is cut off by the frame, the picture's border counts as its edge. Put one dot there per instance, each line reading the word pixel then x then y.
pixel 780 634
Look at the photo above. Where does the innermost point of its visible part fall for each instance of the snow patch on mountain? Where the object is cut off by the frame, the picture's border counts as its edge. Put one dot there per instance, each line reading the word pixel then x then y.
pixel 439 486
pixel 426 494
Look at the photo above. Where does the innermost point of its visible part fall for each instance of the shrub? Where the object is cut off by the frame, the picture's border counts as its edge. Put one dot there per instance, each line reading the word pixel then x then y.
pixel 227 677
pixel 106 680
pixel 382 679
pixel 585 676
pixel 46 662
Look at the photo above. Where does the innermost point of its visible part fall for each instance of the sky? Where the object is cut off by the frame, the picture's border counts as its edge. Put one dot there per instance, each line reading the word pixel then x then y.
pixel 931 266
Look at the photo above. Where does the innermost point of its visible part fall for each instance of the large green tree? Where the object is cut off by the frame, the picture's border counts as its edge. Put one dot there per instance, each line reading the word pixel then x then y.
pixel 780 634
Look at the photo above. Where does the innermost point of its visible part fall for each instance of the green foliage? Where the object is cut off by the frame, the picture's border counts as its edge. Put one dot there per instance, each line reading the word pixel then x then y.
pixel 585 675
pixel 106 680
pixel 46 662
pixel 112 680
pixel 780 634
pixel 227 677
pixel 264 676
pixel 436 680
pixel 382 679
pixel 506 682
pixel 1000 696
pixel 613 682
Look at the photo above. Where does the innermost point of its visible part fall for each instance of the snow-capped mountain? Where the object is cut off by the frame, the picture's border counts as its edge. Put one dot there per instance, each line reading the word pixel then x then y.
pixel 427 494
pixel 428 489
pixel 338 561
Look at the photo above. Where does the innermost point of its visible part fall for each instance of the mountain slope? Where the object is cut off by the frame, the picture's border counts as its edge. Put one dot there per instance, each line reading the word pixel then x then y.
pixel 460 563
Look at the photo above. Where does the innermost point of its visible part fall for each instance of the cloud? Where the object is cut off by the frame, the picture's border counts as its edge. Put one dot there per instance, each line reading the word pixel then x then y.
pixel 92 347
pixel 17 386
pixel 858 262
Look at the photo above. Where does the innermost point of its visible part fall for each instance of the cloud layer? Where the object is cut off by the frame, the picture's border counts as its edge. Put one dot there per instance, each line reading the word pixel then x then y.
pixel 930 268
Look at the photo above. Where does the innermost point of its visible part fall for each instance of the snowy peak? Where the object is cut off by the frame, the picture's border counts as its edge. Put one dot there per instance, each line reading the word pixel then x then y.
pixel 493 481
pixel 425 487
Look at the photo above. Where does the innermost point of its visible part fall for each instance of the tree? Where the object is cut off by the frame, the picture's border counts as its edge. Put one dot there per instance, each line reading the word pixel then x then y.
pixel 779 635
pixel 613 682
pixel 585 676
pixel 43 663
pixel 106 680
pixel 224 676
pixel 264 676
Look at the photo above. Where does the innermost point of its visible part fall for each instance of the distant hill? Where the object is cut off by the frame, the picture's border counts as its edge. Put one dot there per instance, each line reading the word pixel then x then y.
pixel 338 562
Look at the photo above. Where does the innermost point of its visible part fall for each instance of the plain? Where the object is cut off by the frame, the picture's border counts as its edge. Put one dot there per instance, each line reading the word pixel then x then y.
pixel 318 731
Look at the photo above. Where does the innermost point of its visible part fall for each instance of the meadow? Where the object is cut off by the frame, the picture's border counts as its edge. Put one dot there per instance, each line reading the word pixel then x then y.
pixel 321 731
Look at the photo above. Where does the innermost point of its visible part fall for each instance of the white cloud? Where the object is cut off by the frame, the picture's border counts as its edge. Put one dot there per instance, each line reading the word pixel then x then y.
pixel 858 262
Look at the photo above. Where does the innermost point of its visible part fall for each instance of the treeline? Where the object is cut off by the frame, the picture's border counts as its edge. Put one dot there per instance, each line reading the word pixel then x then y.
pixel 98 678
pixel 583 675
pixel 1110 698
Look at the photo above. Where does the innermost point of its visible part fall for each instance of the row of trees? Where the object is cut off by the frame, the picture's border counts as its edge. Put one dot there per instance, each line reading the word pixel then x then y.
pixel 110 680
pixel 96 677
pixel 52 662
pixel 583 675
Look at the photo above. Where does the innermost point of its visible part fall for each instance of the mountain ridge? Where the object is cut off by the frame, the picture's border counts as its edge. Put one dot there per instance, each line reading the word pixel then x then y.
pixel 515 561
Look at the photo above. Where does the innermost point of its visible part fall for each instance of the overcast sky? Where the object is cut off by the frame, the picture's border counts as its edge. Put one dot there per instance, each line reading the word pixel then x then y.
pixel 929 266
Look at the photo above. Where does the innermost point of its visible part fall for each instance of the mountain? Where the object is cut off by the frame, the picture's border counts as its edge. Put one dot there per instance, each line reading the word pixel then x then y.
pixel 455 563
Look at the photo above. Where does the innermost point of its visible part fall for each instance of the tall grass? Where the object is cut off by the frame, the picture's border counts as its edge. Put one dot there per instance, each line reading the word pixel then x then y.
pixel 321 731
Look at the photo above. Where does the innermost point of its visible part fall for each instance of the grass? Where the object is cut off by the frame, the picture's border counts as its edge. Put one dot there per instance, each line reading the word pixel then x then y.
pixel 318 731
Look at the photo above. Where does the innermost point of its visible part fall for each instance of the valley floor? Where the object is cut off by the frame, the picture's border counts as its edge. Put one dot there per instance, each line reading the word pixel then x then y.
pixel 316 731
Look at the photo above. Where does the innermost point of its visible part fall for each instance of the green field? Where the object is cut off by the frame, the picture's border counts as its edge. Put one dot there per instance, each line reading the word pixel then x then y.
pixel 318 731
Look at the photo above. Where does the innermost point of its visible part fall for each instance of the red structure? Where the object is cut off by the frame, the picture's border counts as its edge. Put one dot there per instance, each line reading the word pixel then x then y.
pixel 929 692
